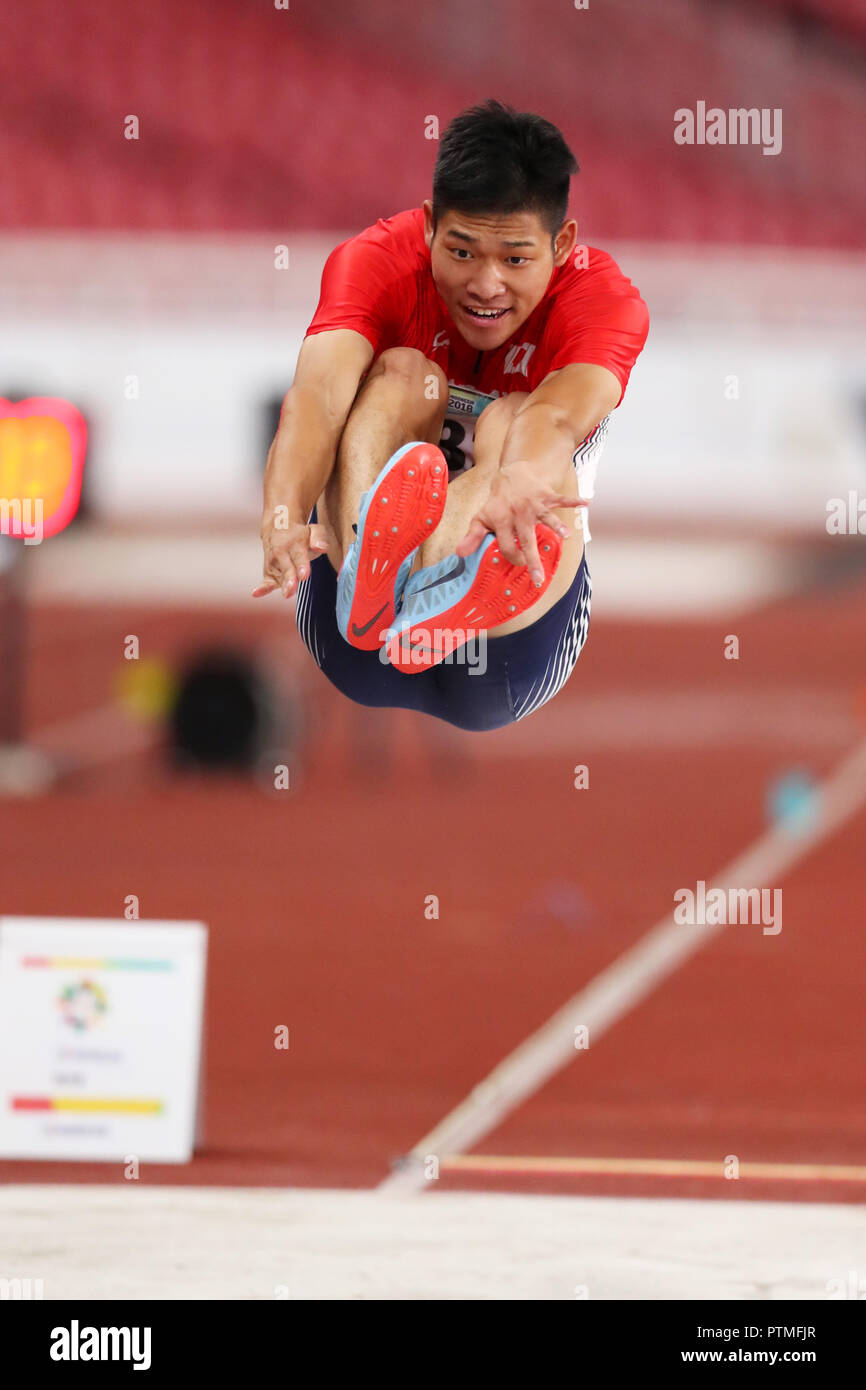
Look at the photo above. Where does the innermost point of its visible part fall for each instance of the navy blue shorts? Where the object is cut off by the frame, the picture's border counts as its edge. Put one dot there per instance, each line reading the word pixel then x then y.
pixel 490 682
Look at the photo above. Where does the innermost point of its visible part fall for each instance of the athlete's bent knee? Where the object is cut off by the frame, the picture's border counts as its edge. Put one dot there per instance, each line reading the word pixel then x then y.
pixel 408 363
pixel 415 376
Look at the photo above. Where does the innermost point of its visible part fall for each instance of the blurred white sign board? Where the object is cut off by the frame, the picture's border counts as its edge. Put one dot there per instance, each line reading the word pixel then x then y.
pixel 100 1038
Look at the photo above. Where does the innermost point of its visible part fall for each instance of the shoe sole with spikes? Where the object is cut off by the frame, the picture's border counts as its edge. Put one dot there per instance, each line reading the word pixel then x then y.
pixel 402 508
pixel 447 604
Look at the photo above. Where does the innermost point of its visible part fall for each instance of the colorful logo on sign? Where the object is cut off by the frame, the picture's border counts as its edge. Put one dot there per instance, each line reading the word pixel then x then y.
pixel 42 446
pixel 83 1004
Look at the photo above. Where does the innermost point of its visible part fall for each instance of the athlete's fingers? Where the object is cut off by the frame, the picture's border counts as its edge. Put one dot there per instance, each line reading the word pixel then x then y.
pixel 318 541
pixel 552 520
pixel 296 565
pixel 508 542
pixel 473 538
pixel 283 570
pixel 529 546
pixel 266 588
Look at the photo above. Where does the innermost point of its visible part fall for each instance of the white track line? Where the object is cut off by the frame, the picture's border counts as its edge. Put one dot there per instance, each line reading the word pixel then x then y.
pixel 627 981
pixel 653 1167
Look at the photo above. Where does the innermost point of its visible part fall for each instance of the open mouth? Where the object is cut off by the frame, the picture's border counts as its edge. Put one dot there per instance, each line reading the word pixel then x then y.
pixel 484 315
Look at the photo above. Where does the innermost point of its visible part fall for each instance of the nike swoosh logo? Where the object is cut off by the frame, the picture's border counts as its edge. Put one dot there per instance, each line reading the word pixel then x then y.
pixel 452 574
pixel 359 631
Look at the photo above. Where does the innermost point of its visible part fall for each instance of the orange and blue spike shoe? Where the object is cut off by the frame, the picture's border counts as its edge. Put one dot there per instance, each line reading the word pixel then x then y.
pixel 402 508
pixel 449 603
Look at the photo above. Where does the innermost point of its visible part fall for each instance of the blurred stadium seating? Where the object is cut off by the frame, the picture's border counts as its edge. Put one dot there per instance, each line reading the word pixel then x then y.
pixel 347 88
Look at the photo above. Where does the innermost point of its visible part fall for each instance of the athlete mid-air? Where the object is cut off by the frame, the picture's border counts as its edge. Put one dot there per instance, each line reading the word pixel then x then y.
pixel 449 405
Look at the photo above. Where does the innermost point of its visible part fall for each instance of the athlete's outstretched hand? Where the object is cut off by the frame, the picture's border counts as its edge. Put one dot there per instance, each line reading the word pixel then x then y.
pixel 519 498
pixel 288 555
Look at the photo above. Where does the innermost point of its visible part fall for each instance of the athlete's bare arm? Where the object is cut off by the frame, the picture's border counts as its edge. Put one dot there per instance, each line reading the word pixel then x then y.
pixel 302 456
pixel 536 461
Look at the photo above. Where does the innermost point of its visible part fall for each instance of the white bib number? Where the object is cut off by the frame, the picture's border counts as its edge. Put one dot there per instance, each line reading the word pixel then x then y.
pixel 457 440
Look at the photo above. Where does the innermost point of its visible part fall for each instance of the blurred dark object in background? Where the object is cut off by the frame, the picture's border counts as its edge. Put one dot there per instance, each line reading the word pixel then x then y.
pixel 225 715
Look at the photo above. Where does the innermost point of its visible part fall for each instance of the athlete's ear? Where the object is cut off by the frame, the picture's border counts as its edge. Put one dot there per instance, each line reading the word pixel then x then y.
pixel 564 242
pixel 428 222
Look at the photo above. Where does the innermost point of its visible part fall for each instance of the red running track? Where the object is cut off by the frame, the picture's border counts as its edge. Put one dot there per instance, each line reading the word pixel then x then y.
pixel 315 901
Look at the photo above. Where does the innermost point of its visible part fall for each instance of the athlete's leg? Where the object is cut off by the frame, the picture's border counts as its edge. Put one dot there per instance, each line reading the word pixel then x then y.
pixel 469 490
pixel 467 493
pixel 403 398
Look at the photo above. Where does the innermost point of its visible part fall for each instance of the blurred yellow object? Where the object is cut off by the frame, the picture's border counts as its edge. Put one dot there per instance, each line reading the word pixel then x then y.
pixel 145 688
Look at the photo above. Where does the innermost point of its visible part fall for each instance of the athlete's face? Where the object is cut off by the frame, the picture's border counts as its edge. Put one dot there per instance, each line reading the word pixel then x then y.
pixel 493 271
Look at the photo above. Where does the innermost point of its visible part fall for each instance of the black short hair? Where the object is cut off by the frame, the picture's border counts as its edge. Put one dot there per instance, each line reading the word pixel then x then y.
pixel 493 159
